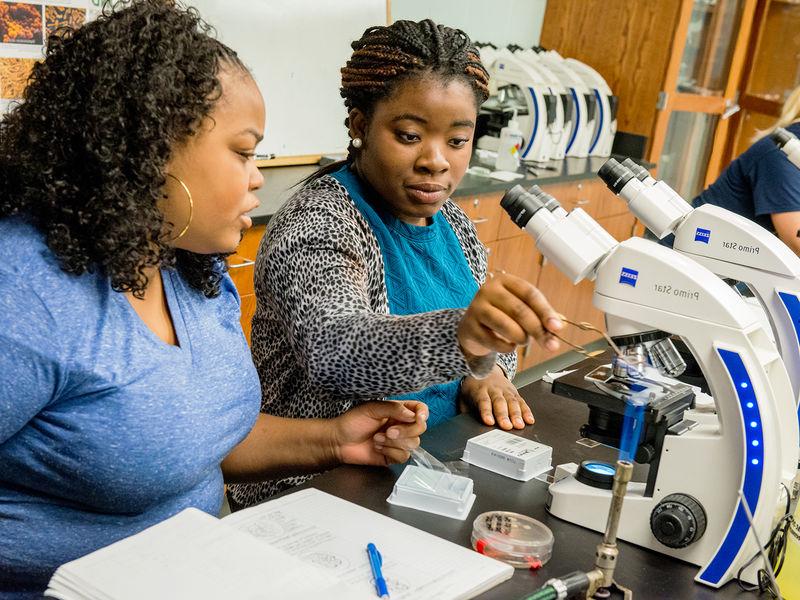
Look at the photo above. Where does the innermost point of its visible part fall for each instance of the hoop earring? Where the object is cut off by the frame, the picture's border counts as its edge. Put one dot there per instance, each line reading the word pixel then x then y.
pixel 191 206
pixel 357 143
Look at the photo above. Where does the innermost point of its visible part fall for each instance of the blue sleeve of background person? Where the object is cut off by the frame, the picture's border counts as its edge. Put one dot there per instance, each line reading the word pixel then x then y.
pixel 30 371
pixel 776 184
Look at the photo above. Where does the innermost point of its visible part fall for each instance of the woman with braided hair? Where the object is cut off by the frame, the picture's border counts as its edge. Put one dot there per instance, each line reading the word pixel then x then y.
pixel 370 281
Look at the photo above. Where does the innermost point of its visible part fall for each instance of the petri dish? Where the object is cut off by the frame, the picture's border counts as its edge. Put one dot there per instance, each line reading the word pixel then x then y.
pixel 515 539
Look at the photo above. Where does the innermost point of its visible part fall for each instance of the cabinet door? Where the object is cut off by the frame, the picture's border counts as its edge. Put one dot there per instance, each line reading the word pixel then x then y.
pixel 620 226
pixel 241 267
pixel 248 247
pixel 247 314
pixel 771 72
pixel 484 212
pixel 517 256
pixel 241 263
pixel 700 91
pixel 594 197
pixel 241 270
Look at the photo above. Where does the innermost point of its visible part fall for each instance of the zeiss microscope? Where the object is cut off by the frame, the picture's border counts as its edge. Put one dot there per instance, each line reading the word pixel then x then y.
pixel 726 243
pixel 647 292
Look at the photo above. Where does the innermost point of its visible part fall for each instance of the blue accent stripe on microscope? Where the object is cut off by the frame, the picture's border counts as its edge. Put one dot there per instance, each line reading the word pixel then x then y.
pixel 792 304
pixel 577 122
pixel 753 468
pixel 600 120
pixel 535 122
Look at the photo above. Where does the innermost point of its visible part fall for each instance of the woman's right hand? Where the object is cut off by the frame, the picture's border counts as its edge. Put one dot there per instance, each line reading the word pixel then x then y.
pixel 505 313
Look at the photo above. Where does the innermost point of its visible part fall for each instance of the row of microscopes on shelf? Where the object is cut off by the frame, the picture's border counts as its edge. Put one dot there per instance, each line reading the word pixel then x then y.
pixel 720 475
pixel 563 107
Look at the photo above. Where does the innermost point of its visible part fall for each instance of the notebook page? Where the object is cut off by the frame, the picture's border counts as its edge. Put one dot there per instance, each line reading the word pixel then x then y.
pixel 333 534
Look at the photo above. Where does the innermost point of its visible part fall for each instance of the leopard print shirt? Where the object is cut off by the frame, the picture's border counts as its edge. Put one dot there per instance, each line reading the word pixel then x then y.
pixel 323 339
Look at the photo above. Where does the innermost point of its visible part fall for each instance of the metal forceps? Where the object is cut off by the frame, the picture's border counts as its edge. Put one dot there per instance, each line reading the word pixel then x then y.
pixel 584 326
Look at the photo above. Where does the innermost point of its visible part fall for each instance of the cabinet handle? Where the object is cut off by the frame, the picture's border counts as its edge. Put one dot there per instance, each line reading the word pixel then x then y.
pixel 247 263
pixel 488 251
pixel 479 221
pixel 731 108
pixel 476 201
pixel 583 202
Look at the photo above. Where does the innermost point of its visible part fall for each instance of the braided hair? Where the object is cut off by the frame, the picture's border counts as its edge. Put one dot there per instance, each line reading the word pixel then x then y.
pixel 388 55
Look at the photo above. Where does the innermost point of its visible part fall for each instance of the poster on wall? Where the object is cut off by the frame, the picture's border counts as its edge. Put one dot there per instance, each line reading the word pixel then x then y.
pixel 24 27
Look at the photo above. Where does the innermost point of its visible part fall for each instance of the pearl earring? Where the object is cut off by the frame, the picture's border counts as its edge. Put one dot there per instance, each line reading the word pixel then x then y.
pixel 357 142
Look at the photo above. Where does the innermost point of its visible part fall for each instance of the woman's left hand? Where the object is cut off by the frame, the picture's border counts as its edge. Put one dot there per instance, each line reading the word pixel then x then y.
pixel 496 400
pixel 379 433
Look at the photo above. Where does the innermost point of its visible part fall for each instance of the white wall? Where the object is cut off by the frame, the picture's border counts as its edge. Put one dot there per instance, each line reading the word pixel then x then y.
pixel 501 22
pixel 295 49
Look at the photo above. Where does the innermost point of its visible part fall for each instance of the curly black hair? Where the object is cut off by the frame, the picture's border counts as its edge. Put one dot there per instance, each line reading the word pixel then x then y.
pixel 83 155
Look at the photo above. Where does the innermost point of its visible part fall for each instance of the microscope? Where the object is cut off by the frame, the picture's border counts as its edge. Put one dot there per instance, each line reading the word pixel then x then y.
pixel 788 142
pixel 726 243
pixel 692 510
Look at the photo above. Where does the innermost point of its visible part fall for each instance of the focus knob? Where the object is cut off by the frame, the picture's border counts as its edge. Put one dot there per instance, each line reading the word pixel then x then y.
pixel 678 520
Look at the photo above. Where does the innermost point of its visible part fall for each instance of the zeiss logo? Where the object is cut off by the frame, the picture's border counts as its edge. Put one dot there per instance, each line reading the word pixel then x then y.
pixel 628 277
pixel 702 235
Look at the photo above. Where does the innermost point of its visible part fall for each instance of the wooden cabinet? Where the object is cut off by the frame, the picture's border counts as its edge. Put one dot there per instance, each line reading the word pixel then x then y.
pixel 517 255
pixel 770 72
pixel 676 66
pixel 241 266
pixel 627 41
pixel 482 210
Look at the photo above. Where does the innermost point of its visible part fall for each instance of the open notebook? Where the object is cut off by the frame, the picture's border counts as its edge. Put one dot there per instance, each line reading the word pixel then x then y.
pixel 304 545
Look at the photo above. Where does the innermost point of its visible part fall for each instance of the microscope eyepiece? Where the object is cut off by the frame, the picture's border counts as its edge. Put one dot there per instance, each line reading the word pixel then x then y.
pixel 549 202
pixel 521 205
pixel 638 170
pixel 781 137
pixel 615 175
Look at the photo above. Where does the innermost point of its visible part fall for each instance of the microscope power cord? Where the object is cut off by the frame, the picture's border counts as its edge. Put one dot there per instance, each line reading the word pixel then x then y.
pixel 775 549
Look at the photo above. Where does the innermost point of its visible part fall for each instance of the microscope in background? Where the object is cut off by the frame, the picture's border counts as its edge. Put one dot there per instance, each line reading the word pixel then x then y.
pixel 726 243
pixel 692 509
pixel 788 142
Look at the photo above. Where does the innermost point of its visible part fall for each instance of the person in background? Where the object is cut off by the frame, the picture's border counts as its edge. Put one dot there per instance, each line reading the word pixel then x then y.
pixel 761 184
pixel 371 283
pixel 127 390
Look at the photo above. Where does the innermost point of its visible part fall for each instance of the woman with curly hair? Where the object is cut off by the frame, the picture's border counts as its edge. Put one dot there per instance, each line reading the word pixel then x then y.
pixel 127 391
pixel 371 282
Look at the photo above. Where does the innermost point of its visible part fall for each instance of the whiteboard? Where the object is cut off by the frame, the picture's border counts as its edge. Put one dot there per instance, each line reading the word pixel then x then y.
pixel 295 49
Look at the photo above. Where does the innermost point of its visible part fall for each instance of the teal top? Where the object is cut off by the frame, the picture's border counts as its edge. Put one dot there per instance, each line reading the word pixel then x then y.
pixel 424 270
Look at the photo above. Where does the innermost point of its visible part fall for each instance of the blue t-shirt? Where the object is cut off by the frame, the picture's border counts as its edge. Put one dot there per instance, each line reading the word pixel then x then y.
pixel 104 428
pixel 757 184
pixel 424 270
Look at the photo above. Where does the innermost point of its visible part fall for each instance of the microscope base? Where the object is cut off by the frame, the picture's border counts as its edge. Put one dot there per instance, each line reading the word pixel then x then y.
pixel 576 502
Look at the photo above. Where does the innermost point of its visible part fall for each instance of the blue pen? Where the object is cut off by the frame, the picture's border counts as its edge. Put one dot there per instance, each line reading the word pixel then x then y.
pixel 375 562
